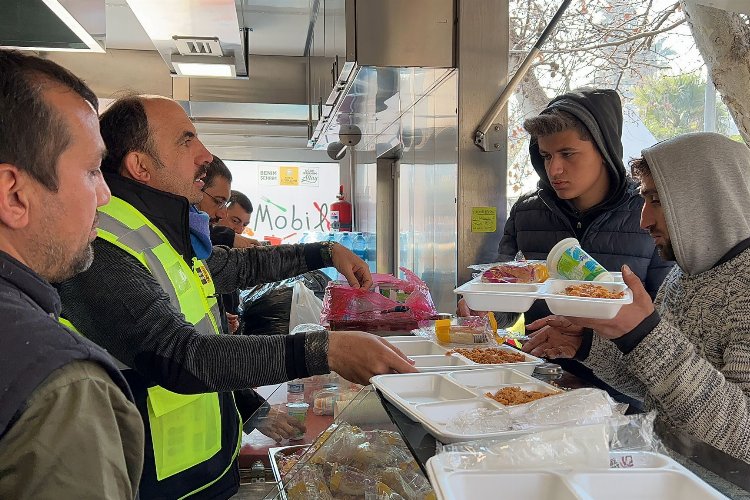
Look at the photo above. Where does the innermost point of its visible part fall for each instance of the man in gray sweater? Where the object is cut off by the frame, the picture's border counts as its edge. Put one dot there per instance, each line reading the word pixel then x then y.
pixel 687 354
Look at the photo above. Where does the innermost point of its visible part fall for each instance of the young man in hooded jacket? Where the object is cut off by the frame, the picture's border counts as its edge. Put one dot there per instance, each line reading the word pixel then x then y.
pixel 687 354
pixel 583 192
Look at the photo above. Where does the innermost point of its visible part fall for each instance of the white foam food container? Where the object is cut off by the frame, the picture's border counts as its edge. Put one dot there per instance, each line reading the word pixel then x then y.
pixel 421 347
pixel 505 297
pixel 649 476
pixel 404 338
pixel 434 399
pixel 553 292
pixel 429 356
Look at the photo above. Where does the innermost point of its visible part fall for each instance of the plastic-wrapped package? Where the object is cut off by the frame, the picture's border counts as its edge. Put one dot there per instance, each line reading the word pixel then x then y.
pixel 634 433
pixel 353 463
pixel 567 447
pixel 562 447
pixel 524 271
pixel 346 480
pixel 350 308
pixel 518 270
pixel 490 339
pixel 481 420
pixel 341 443
pixel 324 401
pixel 466 330
pixel 578 407
pixel 308 484
pixel 407 484
pixel 381 491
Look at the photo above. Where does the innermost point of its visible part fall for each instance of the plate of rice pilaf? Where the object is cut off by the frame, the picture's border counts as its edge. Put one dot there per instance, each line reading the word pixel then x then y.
pixel 488 356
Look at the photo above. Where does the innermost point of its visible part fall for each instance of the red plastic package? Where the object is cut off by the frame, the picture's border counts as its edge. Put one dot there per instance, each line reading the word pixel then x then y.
pixel 347 308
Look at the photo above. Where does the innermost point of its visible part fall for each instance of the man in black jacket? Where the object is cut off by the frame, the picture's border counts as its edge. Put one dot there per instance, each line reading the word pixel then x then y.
pixel 68 424
pixel 217 189
pixel 149 298
pixel 583 192
pixel 239 210
pixel 232 224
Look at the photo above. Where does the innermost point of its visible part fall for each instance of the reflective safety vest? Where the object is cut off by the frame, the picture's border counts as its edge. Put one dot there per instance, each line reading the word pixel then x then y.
pixel 186 429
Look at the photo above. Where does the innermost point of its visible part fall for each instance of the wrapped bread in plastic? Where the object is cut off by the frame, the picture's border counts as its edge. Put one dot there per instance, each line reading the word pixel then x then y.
pixel 347 480
pixel 309 484
pixel 520 271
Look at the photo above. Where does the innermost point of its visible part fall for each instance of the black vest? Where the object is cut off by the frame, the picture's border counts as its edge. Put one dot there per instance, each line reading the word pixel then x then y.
pixel 34 344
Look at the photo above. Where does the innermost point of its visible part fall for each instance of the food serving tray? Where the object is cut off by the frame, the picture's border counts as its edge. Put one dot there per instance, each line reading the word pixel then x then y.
pixel 434 399
pixel 429 356
pixel 641 475
pixel 518 297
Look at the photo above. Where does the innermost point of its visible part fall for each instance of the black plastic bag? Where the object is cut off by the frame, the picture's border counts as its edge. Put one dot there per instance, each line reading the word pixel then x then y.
pixel 264 309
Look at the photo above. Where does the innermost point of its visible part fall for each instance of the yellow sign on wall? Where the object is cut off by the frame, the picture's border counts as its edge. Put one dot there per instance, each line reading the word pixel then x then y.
pixel 288 176
pixel 483 219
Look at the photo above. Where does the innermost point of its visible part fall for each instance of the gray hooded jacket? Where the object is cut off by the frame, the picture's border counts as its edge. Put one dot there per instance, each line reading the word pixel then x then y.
pixel 693 365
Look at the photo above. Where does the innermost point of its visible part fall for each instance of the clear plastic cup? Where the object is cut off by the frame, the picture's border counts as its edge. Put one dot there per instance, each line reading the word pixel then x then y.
pixel 298 411
pixel 567 260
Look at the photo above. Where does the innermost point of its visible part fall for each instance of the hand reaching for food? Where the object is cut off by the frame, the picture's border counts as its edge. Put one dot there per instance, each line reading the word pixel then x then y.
pixel 278 425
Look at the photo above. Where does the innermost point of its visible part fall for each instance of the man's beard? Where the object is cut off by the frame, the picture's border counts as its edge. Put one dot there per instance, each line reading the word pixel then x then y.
pixel 56 273
pixel 666 251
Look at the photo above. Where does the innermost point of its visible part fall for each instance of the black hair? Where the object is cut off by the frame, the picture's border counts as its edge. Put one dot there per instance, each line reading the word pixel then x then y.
pixel 33 134
pixel 554 122
pixel 639 168
pixel 216 168
pixel 124 128
pixel 242 200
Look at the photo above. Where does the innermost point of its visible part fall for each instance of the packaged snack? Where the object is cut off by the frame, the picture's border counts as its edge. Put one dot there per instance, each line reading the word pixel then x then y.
pixel 469 332
pixel 520 271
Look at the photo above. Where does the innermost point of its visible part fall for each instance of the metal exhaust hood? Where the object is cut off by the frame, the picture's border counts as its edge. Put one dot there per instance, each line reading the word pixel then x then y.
pixel 396 52
pixel 53 25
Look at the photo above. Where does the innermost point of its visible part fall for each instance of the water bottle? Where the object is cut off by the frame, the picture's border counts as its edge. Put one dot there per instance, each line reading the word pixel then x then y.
pixel 372 251
pixel 295 391
pixel 359 247
pixel 330 271
pixel 404 250
pixel 346 239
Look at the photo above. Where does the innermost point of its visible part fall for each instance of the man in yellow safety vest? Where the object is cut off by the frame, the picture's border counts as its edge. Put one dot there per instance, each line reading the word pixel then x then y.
pixel 149 298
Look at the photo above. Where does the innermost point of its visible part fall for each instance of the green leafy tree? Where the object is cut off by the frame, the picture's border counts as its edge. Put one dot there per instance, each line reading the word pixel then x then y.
pixel 672 105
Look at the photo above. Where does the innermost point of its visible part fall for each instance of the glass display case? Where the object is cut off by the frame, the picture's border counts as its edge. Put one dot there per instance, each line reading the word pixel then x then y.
pixel 358 453
pixel 356 444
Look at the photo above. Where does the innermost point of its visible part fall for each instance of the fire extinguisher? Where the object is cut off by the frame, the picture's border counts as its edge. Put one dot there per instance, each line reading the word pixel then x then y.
pixel 343 209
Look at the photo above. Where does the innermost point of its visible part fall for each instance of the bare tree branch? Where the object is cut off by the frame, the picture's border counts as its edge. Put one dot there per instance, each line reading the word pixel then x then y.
pixel 623 41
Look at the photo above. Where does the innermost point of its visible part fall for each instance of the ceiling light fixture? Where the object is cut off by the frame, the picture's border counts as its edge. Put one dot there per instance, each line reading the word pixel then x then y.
pixel 56 7
pixel 201 66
